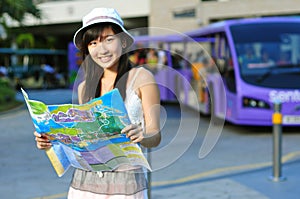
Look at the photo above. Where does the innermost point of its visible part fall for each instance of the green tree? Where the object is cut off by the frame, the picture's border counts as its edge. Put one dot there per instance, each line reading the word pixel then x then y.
pixel 25 40
pixel 17 9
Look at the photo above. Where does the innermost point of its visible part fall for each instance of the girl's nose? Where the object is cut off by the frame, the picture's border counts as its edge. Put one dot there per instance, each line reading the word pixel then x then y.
pixel 101 47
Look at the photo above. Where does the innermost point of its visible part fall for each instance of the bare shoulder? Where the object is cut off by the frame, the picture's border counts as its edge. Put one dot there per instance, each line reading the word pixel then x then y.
pixel 81 86
pixel 145 76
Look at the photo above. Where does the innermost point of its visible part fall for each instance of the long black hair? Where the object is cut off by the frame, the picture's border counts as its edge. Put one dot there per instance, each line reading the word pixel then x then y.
pixel 93 72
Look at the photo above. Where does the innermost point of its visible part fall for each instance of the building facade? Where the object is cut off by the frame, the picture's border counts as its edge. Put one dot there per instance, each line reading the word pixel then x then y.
pixel 62 18
pixel 182 15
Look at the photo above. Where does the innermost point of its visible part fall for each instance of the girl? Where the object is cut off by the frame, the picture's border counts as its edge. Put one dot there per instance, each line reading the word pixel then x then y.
pixel 104 43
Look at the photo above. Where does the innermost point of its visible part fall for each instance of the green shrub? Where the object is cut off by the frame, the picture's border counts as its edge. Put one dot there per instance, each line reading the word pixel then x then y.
pixel 7 95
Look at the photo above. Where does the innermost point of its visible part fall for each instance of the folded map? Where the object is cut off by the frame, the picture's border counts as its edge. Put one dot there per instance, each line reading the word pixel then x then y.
pixel 87 136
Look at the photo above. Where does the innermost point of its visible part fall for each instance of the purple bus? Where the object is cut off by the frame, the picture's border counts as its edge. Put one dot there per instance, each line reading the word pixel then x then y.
pixel 235 69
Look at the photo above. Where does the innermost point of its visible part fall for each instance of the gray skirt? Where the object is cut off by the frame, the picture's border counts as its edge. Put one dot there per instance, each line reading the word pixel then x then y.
pixel 110 182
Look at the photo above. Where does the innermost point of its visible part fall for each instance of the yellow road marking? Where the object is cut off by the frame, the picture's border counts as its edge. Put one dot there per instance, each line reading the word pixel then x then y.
pixel 285 158
pixel 60 195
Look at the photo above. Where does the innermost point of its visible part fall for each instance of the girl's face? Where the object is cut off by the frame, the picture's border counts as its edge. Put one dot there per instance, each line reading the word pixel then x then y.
pixel 106 49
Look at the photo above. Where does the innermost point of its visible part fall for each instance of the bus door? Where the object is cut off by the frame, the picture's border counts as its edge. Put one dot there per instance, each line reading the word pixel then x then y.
pixel 200 67
pixel 180 72
pixel 222 80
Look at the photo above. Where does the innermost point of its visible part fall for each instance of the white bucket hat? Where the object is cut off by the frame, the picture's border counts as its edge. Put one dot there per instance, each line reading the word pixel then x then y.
pixel 101 15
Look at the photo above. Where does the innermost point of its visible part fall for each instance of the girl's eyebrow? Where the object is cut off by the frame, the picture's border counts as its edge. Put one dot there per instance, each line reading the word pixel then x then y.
pixel 104 36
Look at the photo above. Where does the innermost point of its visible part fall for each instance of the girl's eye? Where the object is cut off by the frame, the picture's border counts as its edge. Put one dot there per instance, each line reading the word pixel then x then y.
pixel 109 39
pixel 93 43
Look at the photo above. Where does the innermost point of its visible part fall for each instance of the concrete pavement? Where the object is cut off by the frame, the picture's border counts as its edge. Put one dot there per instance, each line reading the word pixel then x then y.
pixel 246 184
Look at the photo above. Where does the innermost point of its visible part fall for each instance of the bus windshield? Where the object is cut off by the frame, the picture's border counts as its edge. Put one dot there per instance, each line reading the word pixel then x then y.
pixel 268 53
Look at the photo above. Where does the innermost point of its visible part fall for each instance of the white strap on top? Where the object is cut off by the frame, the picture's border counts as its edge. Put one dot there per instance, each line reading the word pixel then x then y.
pixel 134 78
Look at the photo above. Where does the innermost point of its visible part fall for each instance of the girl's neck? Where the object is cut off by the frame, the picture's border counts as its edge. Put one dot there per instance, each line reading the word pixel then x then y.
pixel 109 74
pixel 107 81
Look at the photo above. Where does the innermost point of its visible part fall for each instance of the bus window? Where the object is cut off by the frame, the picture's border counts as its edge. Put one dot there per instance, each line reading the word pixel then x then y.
pixel 226 65
pixel 223 59
pixel 271 41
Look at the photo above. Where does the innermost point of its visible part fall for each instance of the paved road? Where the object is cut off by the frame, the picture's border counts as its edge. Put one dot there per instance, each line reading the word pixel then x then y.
pixel 237 167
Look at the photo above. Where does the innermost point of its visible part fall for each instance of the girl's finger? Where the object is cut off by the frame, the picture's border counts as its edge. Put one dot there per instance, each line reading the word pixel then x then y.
pixel 43 145
pixel 133 132
pixel 127 128
pixel 37 134
pixel 137 139
pixel 42 139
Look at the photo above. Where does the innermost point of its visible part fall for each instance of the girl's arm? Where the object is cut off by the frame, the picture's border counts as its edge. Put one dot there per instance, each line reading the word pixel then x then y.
pixel 149 94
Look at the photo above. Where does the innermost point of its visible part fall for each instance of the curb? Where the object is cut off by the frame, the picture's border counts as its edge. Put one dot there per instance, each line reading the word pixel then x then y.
pixel 13 110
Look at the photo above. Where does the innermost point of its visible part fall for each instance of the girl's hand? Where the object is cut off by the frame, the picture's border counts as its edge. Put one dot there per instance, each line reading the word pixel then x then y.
pixel 42 141
pixel 134 132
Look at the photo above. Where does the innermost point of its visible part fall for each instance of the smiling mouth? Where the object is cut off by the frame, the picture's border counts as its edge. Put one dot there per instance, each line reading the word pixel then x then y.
pixel 105 59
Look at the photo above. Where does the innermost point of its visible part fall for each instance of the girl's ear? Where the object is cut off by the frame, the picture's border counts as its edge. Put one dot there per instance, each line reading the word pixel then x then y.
pixel 124 43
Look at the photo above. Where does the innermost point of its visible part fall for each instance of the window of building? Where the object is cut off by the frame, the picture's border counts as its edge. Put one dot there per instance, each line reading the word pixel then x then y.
pixel 185 13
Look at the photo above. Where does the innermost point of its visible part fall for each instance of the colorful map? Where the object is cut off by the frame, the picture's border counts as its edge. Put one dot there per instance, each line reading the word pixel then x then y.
pixel 87 136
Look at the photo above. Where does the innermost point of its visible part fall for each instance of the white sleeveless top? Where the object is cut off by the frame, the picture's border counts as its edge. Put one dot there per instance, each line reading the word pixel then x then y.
pixel 133 103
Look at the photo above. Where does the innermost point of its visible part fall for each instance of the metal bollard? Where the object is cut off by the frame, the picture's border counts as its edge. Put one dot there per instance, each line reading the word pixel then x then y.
pixel 277 143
